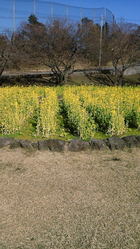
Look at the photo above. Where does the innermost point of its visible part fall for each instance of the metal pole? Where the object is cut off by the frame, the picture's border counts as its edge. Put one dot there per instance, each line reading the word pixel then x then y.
pixel 67 12
pixel 81 13
pixel 34 7
pixel 105 14
pixel 94 15
pixel 101 40
pixel 14 16
pixel 52 11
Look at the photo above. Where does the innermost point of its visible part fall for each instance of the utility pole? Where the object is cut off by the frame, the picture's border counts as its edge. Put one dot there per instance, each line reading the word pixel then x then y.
pixel 101 41
pixel 52 11
pixel 34 7
pixel 81 13
pixel 67 13
pixel 14 15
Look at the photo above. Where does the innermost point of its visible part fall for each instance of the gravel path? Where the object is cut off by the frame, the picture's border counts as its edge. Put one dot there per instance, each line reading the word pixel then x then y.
pixel 69 200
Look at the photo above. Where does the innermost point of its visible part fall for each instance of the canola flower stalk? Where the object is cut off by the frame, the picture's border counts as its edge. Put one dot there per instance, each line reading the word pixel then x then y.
pixel 89 109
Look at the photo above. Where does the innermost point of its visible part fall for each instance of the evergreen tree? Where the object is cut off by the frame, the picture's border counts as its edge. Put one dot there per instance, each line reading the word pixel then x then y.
pixel 32 19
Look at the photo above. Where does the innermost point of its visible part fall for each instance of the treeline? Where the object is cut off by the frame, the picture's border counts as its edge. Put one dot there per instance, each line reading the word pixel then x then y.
pixel 61 46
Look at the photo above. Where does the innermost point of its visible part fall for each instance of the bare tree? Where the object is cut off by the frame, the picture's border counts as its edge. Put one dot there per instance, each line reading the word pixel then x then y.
pixel 53 46
pixel 88 42
pixel 28 41
pixel 124 53
pixel 9 56
pixel 119 47
pixel 59 45
pixel 4 52
pixel 60 49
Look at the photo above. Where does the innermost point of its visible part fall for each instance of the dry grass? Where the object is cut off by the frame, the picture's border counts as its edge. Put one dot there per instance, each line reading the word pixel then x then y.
pixel 69 200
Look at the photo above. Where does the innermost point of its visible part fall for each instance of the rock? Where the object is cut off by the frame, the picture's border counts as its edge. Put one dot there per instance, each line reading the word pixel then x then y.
pixel 115 143
pixel 97 144
pixel 78 145
pixel 15 144
pixel 132 141
pixel 6 141
pixel 35 145
pixel 138 139
pixel 52 144
pixel 25 144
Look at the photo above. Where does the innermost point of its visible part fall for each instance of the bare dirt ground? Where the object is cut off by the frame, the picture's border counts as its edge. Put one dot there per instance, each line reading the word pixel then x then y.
pixel 69 200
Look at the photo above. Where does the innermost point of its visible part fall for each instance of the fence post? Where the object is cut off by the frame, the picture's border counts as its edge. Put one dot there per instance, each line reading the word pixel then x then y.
pixel 101 40
pixel 14 15
pixel 34 7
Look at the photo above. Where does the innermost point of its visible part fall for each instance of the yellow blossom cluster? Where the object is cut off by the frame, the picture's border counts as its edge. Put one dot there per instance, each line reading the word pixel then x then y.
pixel 84 110
pixel 79 120
pixel 113 109
pixel 24 106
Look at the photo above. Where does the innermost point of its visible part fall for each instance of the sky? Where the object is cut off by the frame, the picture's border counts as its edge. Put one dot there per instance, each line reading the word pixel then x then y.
pixel 126 10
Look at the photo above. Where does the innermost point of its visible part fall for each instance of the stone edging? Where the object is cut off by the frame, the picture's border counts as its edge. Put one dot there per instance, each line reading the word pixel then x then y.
pixel 112 143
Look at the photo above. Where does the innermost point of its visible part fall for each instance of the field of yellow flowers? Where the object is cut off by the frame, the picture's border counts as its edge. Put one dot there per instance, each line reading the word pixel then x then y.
pixel 82 111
